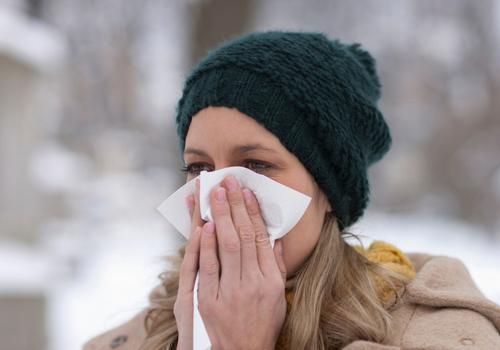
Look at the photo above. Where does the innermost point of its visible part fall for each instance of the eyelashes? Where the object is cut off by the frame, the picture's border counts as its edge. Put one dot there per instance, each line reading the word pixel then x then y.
pixel 196 168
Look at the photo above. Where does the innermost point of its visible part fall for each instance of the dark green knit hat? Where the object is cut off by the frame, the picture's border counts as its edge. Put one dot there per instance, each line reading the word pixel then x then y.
pixel 318 96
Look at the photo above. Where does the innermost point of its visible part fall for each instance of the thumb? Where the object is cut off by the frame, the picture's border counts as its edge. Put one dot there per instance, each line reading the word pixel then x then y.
pixel 278 253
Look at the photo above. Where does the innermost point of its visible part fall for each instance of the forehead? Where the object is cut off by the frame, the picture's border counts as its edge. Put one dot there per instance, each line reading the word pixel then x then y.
pixel 227 126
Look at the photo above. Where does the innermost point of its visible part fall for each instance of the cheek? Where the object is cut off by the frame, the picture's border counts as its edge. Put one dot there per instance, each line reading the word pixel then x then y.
pixel 300 242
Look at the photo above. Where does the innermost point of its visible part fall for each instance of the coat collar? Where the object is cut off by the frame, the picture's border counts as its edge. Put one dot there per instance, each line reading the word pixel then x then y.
pixel 443 281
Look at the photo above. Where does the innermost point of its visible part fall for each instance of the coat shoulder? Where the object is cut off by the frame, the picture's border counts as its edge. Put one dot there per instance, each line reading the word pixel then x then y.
pixel 443 308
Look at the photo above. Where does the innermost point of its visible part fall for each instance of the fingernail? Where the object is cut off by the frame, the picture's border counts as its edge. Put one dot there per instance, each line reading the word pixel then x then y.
pixel 221 194
pixel 208 228
pixel 247 195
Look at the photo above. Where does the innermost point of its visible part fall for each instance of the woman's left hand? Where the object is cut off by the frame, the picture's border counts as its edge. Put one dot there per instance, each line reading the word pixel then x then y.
pixel 241 292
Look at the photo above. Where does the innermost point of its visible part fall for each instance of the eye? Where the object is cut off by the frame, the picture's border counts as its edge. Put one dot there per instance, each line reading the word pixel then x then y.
pixel 258 166
pixel 195 168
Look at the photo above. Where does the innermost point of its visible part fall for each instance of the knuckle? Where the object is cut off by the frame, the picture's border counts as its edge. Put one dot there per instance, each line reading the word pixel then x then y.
pixel 220 210
pixel 262 238
pixel 257 220
pixel 231 245
pixel 247 233
pixel 210 267
pixel 235 198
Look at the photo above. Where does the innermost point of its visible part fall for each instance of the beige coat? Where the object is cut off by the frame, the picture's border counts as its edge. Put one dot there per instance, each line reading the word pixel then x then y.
pixel 442 309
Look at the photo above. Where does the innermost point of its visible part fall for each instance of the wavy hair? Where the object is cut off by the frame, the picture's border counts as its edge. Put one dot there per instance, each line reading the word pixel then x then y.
pixel 337 298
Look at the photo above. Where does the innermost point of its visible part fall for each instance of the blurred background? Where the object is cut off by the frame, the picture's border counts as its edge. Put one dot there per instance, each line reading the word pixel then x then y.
pixel 88 147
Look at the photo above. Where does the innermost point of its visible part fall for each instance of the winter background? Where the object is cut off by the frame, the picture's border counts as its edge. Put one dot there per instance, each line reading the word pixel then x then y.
pixel 88 148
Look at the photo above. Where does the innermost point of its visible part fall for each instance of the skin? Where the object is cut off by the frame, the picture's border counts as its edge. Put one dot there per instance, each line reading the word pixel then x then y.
pixel 242 278
pixel 216 130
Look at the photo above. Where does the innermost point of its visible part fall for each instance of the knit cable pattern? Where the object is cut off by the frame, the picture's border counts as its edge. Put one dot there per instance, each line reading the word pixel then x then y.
pixel 319 96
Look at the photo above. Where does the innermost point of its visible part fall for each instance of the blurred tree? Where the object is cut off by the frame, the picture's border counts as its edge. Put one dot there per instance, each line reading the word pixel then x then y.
pixel 34 8
pixel 214 21
pixel 464 154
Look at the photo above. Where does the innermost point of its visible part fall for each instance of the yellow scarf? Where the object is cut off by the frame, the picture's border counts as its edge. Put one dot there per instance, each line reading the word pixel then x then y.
pixel 385 254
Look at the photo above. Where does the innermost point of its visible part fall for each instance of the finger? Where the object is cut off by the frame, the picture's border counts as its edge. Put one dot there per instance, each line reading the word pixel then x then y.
pixel 227 240
pixel 209 264
pixel 189 266
pixel 278 253
pixel 196 219
pixel 265 255
pixel 244 227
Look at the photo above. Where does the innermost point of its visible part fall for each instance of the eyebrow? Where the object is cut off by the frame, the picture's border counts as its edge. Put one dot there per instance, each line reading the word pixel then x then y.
pixel 238 149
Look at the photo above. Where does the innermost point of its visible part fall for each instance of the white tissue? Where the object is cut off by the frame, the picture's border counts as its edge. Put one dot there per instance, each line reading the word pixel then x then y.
pixel 281 208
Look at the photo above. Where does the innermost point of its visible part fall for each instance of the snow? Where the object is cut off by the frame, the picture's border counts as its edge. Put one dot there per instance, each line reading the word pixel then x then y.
pixel 24 269
pixel 112 282
pixel 114 243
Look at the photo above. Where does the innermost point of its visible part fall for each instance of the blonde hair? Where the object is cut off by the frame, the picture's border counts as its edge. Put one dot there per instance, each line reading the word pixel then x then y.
pixel 336 298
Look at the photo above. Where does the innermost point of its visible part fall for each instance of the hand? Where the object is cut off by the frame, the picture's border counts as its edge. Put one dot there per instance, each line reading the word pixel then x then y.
pixel 241 291
pixel 183 306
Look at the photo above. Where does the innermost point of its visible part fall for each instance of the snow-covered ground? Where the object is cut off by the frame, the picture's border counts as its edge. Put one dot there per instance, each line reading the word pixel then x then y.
pixel 114 244
pixel 98 267
pixel 112 282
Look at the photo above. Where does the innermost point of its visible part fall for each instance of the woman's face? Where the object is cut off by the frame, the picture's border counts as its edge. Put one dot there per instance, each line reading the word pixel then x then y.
pixel 217 133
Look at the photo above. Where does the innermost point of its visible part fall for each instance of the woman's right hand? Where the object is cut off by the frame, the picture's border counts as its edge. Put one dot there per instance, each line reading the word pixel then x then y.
pixel 183 306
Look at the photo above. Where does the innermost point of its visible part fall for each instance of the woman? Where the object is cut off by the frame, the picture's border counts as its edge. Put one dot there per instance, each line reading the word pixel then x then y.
pixel 301 109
